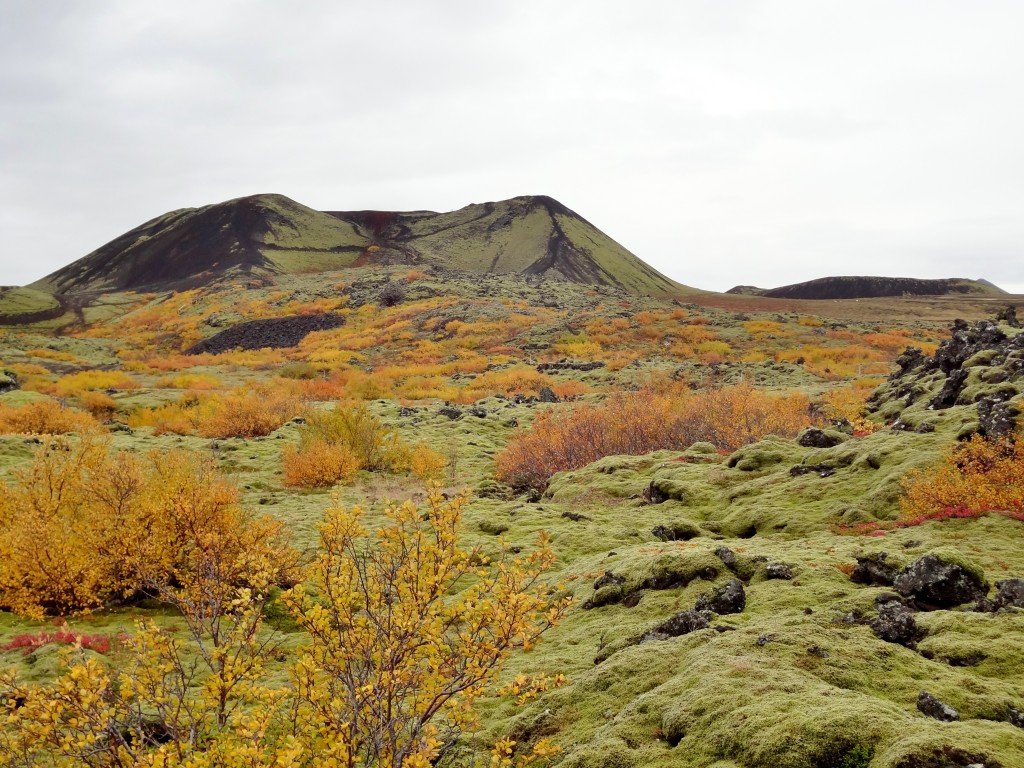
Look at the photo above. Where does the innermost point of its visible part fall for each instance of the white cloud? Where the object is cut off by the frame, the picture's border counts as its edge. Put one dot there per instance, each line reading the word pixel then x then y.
pixel 753 142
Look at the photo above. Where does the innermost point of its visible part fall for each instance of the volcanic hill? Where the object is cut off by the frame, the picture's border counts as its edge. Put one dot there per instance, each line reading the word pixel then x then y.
pixel 859 287
pixel 264 235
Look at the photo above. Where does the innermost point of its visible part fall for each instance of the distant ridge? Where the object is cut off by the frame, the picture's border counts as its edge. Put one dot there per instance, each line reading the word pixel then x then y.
pixel 272 234
pixel 859 287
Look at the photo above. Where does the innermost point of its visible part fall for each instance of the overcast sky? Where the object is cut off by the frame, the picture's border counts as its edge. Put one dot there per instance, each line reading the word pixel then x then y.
pixel 722 141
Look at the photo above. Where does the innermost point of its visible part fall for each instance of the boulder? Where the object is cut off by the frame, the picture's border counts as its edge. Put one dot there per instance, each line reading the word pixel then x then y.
pixel 450 411
pixel 951 389
pixel 936 583
pixel 8 381
pixel 609 578
pixel 932 707
pixel 812 437
pixel 681 624
pixel 895 622
pixel 1009 316
pixel 1009 594
pixel 909 359
pixel 778 571
pixel 675 531
pixel 728 598
pixel 997 418
pixel 873 570
pixel 546 395
pixel 727 556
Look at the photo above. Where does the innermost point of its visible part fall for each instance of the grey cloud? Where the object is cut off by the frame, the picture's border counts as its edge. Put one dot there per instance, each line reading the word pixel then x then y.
pixel 752 141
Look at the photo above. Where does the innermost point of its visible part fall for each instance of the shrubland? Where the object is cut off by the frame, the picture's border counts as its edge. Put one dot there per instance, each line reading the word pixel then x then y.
pixel 672 473
pixel 645 421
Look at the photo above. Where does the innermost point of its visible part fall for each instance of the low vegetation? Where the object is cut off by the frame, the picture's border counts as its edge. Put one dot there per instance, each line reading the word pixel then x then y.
pixel 737 501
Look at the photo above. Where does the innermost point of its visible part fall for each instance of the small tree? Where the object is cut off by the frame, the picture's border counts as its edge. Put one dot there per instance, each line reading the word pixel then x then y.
pixel 395 659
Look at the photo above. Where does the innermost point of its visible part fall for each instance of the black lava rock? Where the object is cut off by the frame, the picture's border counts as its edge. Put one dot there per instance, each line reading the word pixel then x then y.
pixel 778 571
pixel 997 418
pixel 609 578
pixel 276 333
pixel 934 583
pixel 729 598
pixel 895 622
pixel 873 570
pixel 813 437
pixel 681 624
pixel 950 391
pixel 450 411
pixel 546 395
pixel 932 707
pixel 727 556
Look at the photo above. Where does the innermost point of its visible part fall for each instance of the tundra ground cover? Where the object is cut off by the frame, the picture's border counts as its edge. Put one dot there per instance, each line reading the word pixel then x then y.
pixel 797 678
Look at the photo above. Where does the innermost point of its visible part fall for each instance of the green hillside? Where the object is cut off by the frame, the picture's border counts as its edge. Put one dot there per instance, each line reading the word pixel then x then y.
pixel 264 235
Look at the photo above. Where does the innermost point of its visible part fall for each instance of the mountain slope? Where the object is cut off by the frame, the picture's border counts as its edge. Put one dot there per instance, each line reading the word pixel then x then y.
pixel 271 234
pixel 859 287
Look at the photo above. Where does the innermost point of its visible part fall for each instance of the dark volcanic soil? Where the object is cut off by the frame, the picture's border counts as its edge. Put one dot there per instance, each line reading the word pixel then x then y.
pixel 276 333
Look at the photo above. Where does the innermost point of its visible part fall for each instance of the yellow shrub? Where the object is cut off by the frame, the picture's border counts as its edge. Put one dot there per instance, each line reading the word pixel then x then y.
pixel 99 404
pixel 354 427
pixel 44 417
pixel 426 463
pixel 194 381
pixel 80 527
pixel 318 463
pixel 82 381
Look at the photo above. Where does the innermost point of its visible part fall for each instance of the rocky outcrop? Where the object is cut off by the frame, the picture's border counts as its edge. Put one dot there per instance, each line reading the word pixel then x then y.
pixel 728 598
pixel 931 706
pixel 275 333
pixel 932 582
pixel 895 622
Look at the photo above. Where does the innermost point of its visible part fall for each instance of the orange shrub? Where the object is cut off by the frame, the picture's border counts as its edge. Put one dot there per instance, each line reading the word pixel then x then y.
pixel 644 421
pixel 247 413
pixel 520 379
pixel 318 463
pixel 99 404
pixel 44 417
pixel 977 475
pixel 570 389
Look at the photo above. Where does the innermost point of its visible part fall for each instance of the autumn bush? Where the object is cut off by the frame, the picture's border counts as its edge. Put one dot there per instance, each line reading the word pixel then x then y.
pixel 334 444
pixel 426 463
pixel 644 421
pixel 246 413
pixel 318 463
pixel 99 404
pixel 44 417
pixel 376 446
pixel 83 381
pixel 976 475
pixel 81 527
pixel 404 632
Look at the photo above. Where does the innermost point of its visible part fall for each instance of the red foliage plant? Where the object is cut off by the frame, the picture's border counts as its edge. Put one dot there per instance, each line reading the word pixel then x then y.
pixel 28 643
